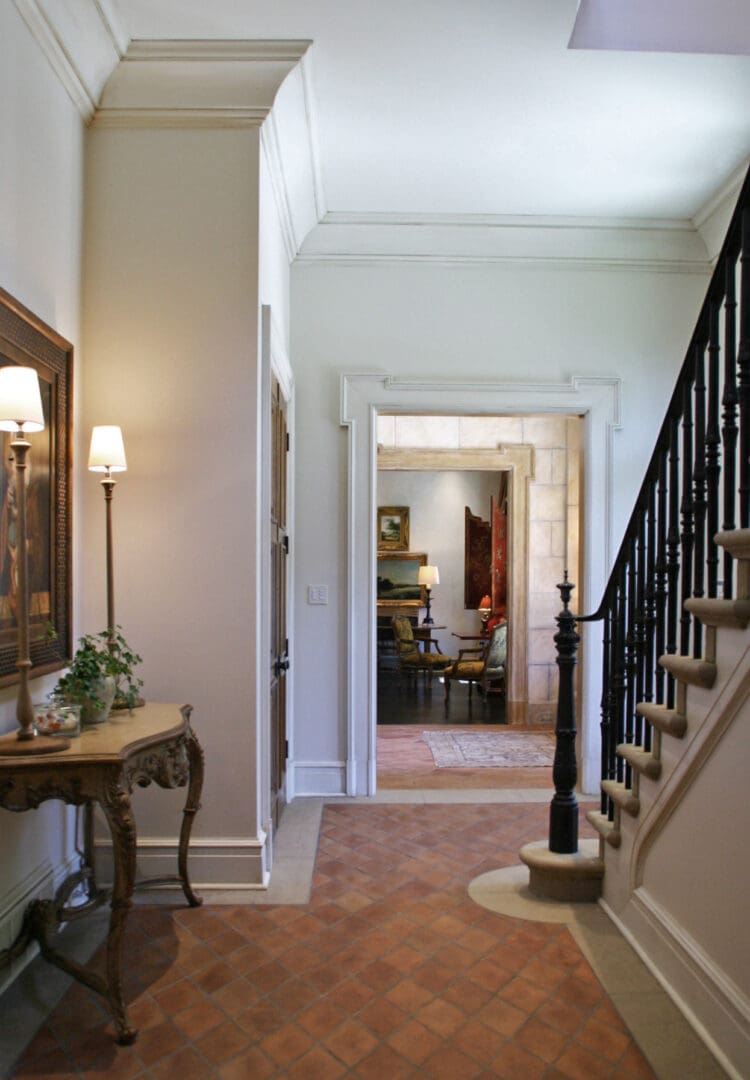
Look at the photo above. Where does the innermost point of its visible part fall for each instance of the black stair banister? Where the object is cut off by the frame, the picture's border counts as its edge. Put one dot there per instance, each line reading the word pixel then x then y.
pixel 697 481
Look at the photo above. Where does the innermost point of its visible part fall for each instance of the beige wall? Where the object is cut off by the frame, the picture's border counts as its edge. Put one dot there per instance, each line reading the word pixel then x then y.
pixel 171 332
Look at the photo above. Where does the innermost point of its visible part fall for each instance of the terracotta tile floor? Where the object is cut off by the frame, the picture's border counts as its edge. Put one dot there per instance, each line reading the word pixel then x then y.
pixel 390 971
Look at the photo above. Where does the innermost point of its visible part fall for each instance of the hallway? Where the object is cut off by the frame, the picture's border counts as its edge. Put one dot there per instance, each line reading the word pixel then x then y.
pixel 386 968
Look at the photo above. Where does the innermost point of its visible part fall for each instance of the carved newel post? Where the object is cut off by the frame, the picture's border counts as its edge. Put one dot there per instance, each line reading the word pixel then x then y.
pixel 563 818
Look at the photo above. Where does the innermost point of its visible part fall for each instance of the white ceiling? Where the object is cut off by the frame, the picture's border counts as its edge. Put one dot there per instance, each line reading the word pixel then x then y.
pixel 479 106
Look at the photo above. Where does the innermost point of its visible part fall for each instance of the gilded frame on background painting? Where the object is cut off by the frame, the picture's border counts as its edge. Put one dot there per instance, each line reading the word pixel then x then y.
pixel 393 528
pixel 398 579
pixel 27 341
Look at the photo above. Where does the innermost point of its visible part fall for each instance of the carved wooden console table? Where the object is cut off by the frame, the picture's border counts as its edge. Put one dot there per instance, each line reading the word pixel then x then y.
pixel 102 767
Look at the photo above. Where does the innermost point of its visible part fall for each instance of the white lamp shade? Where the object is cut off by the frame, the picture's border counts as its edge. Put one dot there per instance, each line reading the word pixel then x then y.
pixel 20 399
pixel 107 449
pixel 428 575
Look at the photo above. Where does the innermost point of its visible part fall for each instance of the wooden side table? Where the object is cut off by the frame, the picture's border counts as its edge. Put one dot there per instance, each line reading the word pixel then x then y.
pixel 102 767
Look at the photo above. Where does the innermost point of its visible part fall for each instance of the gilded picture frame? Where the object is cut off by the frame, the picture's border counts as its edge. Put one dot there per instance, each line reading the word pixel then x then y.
pixel 397 584
pixel 29 342
pixel 393 528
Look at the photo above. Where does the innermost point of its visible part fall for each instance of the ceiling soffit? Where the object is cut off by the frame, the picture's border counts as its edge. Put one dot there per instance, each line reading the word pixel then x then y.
pixel 268 84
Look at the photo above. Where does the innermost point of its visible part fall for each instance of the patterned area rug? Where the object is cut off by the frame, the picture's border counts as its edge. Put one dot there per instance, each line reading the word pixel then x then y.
pixel 476 750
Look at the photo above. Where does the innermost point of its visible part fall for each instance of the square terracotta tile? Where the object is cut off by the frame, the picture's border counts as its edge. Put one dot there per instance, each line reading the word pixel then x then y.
pixel 450 1064
pixel 321 1018
pixel 384 1062
pixel 382 1017
pixel 541 1039
pixel 478 1041
pixel 414 1042
pixel 252 1065
pixel 351 1042
pixel 185 1064
pixel 441 1017
pixel 317 1064
pixel 198 1019
pixel 222 1043
pixel 286 1044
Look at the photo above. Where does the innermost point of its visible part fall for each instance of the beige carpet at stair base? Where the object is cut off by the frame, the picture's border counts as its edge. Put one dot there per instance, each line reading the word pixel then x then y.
pixel 474 750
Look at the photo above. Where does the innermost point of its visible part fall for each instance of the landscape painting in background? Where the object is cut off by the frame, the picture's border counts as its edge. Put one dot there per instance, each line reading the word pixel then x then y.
pixel 397 579
pixel 393 528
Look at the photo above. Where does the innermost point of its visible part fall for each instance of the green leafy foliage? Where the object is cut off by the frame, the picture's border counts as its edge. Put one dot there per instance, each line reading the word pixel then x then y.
pixel 93 662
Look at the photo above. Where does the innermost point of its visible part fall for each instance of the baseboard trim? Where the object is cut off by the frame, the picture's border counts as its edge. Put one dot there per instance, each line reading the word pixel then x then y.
pixel 712 1004
pixel 39 884
pixel 319 778
pixel 214 862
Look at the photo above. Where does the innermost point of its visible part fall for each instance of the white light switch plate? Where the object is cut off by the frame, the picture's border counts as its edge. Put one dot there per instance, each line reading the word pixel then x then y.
pixel 317 594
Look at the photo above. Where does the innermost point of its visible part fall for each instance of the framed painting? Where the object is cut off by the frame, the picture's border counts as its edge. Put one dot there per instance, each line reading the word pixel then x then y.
pixel 27 341
pixel 393 528
pixel 397 580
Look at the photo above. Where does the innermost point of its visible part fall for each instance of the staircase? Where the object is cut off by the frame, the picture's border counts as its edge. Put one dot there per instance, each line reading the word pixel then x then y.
pixel 674 819
pixel 646 760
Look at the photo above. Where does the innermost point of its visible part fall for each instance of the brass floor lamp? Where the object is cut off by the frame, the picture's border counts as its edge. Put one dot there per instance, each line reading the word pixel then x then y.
pixel 107 455
pixel 21 413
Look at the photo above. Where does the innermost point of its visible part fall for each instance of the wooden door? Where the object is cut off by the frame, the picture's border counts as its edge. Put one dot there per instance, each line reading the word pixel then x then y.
pixel 279 642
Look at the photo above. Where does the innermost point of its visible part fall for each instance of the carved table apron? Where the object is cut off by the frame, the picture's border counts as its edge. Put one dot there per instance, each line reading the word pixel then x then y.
pixel 154 744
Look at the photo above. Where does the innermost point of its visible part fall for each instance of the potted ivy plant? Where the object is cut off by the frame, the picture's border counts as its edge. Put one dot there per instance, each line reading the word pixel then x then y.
pixel 100 677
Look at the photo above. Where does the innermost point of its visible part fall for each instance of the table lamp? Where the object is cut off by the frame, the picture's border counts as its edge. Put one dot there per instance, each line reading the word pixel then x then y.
pixel 485 608
pixel 21 413
pixel 428 576
pixel 107 455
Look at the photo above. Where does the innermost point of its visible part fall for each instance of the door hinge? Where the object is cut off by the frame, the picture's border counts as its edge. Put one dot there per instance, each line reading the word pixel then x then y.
pixel 286 748
pixel 285 544
pixel 287 441
pixel 286 646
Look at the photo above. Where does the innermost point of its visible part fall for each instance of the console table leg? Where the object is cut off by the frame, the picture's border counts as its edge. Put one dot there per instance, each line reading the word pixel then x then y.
pixel 116 806
pixel 192 806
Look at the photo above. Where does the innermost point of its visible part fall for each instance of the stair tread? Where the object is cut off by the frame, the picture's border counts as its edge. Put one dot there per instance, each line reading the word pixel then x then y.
pixel 606 828
pixel 736 542
pixel 623 796
pixel 641 759
pixel 694 672
pixel 669 721
pixel 714 611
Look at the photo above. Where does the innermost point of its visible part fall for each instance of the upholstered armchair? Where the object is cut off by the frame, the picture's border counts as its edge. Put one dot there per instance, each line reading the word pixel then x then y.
pixel 410 656
pixel 484 664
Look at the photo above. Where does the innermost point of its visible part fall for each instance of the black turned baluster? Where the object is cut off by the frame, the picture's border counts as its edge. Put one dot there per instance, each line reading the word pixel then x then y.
pixel 619 640
pixel 729 401
pixel 660 565
pixel 563 817
pixel 673 547
pixel 713 453
pixel 699 506
pixel 743 366
pixel 687 537
pixel 631 650
pixel 605 726
pixel 644 683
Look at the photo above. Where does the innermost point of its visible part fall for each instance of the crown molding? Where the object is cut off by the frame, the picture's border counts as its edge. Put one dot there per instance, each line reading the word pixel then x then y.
pixel 251 51
pixel 179 118
pixel 600 244
pixel 712 219
pixel 60 54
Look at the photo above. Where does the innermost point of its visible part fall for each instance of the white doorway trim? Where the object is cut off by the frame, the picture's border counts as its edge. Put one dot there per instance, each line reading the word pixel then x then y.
pixel 362 397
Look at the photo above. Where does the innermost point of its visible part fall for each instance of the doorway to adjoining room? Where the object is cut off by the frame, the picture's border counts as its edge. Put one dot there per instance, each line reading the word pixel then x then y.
pixel 453 565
